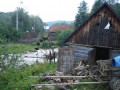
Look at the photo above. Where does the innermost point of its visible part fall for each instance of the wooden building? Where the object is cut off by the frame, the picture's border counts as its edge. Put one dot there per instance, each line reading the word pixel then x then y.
pixel 29 37
pixel 52 34
pixel 101 32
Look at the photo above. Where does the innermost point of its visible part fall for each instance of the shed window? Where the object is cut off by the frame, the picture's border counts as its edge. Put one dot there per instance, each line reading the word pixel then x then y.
pixel 53 34
pixel 107 26
pixel 98 24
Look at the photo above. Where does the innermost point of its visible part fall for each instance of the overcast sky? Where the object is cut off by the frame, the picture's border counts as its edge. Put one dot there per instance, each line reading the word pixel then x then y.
pixel 48 10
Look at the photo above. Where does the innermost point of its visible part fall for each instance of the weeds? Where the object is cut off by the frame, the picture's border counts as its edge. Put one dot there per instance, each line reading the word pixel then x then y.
pixel 19 78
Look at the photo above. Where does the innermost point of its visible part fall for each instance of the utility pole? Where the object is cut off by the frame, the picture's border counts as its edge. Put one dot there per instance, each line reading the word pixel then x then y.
pixel 17 19
pixel 20 5
pixel 34 24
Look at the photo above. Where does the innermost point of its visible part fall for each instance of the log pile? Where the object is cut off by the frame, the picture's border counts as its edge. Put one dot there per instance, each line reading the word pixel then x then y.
pixel 58 79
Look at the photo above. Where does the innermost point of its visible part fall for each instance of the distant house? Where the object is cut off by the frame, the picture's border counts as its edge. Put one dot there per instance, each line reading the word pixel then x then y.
pixel 29 36
pixel 58 28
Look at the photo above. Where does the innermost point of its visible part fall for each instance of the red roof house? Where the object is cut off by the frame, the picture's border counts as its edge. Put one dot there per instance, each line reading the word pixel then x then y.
pixel 53 29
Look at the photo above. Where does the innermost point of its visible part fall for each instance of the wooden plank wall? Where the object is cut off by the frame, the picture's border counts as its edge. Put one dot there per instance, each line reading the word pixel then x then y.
pixel 81 53
pixel 94 33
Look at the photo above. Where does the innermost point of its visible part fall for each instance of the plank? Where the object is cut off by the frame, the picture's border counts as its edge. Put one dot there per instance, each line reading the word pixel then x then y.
pixel 58 77
pixel 59 84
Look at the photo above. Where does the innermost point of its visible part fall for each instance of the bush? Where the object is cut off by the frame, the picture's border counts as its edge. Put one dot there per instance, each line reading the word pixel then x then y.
pixel 63 35
pixel 44 45
pixel 2 39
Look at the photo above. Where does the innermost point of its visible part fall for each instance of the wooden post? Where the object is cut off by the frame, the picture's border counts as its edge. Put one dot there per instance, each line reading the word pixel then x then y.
pixel 50 57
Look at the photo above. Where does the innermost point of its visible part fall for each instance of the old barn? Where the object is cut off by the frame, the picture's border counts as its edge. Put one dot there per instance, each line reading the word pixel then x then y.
pixel 100 33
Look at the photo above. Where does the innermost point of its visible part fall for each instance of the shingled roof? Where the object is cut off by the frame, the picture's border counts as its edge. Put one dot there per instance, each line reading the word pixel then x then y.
pixel 92 16
pixel 60 28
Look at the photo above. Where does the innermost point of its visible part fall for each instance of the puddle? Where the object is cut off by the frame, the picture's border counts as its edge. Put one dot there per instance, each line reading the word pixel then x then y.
pixel 38 55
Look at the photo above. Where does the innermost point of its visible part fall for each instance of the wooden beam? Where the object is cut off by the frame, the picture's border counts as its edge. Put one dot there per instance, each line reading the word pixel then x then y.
pixel 58 77
pixel 60 84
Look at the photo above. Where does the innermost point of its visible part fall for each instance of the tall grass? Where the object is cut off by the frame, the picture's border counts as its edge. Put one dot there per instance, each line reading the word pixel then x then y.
pixel 20 48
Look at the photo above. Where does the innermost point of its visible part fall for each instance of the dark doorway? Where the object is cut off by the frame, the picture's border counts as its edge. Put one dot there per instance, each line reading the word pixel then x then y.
pixel 102 53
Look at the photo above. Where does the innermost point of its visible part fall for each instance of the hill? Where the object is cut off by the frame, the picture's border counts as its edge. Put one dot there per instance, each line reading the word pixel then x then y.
pixel 50 23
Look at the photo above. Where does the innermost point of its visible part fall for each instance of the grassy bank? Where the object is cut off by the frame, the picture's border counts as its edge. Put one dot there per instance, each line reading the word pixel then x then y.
pixel 20 48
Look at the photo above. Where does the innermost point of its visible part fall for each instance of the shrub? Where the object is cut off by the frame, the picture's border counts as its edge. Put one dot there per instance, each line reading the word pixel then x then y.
pixel 18 79
pixel 63 35
pixel 44 45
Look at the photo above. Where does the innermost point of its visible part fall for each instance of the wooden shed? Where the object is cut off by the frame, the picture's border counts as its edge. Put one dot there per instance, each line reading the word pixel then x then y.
pixel 101 31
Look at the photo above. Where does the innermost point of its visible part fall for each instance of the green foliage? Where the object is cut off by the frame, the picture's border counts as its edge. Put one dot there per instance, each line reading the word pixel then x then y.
pixel 63 35
pixel 82 14
pixel 8 62
pixel 61 23
pixel 115 8
pixel 18 79
pixel 112 2
pixel 2 39
pixel 39 25
pixel 26 22
pixel 44 45
pixel 96 5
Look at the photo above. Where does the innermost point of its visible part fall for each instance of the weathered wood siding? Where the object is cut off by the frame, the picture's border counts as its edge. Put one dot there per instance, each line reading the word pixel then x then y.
pixel 65 59
pixel 93 31
pixel 81 53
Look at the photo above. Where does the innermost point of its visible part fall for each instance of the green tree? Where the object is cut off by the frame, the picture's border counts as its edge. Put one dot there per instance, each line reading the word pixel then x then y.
pixel 23 20
pixel 82 14
pixel 112 2
pixel 63 35
pixel 116 8
pixel 37 23
pixel 61 23
pixel 26 22
pixel 96 5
